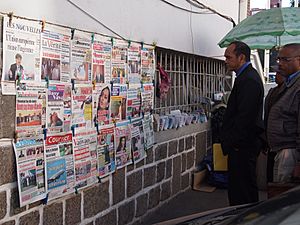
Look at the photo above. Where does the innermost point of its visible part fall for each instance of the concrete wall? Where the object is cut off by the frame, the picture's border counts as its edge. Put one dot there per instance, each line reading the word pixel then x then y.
pixel 139 20
pixel 126 197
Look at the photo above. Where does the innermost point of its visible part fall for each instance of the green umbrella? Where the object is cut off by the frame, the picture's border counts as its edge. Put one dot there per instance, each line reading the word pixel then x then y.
pixel 267 29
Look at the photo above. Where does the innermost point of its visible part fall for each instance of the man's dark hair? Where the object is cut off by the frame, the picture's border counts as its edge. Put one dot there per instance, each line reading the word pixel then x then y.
pixel 294 46
pixel 242 49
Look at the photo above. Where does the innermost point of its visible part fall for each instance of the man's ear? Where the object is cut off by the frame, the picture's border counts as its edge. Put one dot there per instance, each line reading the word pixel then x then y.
pixel 242 58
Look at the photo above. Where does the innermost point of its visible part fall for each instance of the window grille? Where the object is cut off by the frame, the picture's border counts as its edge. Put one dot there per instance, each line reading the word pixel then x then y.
pixel 194 80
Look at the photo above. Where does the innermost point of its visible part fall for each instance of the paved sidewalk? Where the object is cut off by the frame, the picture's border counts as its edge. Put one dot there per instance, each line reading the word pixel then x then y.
pixel 191 202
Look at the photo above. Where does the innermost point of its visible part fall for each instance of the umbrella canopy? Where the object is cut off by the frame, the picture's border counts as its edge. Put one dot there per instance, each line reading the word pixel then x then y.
pixel 267 29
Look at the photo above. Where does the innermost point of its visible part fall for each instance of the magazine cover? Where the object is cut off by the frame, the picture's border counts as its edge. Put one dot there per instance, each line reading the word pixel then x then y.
pixel 29 154
pixel 59 165
pixel 81 57
pixel 119 62
pixel 101 108
pixel 133 103
pixel 134 65
pixel 137 140
pixel 118 102
pixel 123 144
pixel 85 157
pixel 82 105
pixel 55 53
pixel 148 131
pixel 30 109
pixel 101 68
pixel 106 150
pixel 147 98
pixel 147 64
pixel 21 53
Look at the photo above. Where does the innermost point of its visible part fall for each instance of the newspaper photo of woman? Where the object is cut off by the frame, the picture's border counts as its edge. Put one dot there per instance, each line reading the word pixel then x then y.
pixel 122 144
pixel 104 99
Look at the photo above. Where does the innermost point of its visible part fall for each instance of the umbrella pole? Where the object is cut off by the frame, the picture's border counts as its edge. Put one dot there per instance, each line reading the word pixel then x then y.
pixel 266 64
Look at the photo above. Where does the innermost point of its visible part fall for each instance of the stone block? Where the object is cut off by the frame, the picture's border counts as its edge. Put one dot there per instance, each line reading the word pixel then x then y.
pixel 130 167
pixel 185 181
pixel 183 162
pixel 108 219
pixel 53 214
pixel 181 145
pixel 32 218
pixel 161 152
pixel 149 176
pixel 190 159
pixel 73 210
pixel 11 222
pixel 161 168
pixel 14 203
pixel 189 142
pixel 149 158
pixel 141 205
pixel 7 116
pixel 165 191
pixel 200 146
pixel 7 161
pixel 134 183
pixel 173 147
pixel 140 164
pixel 169 165
pixel 3 204
pixel 176 183
pixel 118 185
pixel 154 197
pixel 126 212
pixel 96 199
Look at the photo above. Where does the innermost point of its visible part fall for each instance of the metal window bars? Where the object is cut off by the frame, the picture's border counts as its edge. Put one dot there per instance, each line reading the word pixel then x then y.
pixel 194 80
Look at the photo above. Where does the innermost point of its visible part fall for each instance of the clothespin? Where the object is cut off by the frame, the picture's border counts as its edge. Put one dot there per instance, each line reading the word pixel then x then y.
pixel 72 33
pixel 129 118
pixel 10 15
pixel 99 180
pixel 45 200
pixel 73 130
pixel 111 85
pixel 154 43
pixel 45 133
pixel 142 44
pixel 43 24
pixel 127 82
pixel 73 84
pixel 94 84
pixel 129 43
pixel 47 81
pixel 93 38
pixel 112 41
pixel 16 136
pixel 18 78
pixel 76 190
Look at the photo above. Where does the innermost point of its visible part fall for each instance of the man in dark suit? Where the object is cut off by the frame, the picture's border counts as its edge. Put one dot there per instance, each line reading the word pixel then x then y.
pixel 16 68
pixel 242 125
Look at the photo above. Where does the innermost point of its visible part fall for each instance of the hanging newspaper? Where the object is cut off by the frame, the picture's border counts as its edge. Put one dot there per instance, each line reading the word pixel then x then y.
pixel 101 68
pixel 134 64
pixel 148 131
pixel 118 102
pixel 82 105
pixel 147 98
pixel 85 157
pixel 81 57
pixel 133 103
pixel 137 140
pixel 29 154
pixel 21 53
pixel 101 108
pixel 59 165
pixel 30 109
pixel 55 53
pixel 59 108
pixel 148 64
pixel 118 63
pixel 122 144
pixel 106 150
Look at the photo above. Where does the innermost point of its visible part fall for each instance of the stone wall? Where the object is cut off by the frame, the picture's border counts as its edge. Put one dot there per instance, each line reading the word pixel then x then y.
pixel 126 197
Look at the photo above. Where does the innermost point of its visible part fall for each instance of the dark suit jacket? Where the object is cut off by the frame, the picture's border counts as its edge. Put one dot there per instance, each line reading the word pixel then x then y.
pixel 13 69
pixel 243 122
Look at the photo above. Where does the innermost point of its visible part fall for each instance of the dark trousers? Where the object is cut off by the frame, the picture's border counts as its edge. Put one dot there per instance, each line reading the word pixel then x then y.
pixel 242 186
